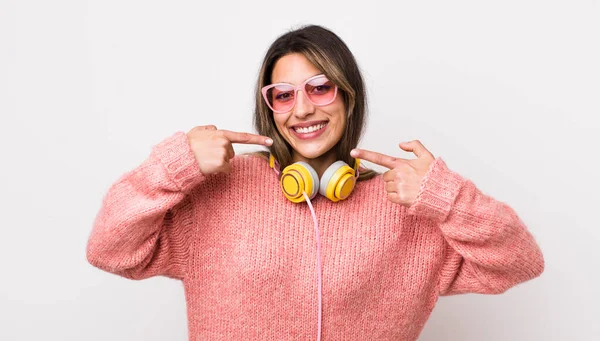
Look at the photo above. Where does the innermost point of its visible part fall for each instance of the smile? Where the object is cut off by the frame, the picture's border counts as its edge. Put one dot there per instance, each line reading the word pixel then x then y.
pixel 309 132
pixel 306 130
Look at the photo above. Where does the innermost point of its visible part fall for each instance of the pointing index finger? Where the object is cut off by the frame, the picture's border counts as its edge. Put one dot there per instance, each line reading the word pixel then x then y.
pixel 376 158
pixel 247 138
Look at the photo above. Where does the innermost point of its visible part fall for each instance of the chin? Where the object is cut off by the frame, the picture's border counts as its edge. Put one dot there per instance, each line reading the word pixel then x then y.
pixel 312 153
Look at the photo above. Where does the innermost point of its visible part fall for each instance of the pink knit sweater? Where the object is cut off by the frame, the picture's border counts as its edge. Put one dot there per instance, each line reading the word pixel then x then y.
pixel 247 259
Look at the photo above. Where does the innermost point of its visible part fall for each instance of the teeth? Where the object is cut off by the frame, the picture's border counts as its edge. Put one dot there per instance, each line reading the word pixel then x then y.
pixel 310 129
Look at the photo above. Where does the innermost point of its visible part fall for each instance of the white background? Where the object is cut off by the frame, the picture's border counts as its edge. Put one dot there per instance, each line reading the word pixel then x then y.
pixel 506 92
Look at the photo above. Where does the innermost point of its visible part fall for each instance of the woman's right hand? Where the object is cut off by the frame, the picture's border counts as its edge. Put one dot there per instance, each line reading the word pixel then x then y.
pixel 213 150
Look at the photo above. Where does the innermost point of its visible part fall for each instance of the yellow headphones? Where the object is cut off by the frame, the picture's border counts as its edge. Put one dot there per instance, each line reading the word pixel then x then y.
pixel 336 184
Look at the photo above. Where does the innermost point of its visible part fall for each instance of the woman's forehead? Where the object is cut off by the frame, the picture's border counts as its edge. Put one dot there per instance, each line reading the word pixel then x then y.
pixel 293 68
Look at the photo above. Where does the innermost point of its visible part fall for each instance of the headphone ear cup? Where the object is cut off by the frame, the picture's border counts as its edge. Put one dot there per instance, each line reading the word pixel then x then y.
pixel 297 178
pixel 337 181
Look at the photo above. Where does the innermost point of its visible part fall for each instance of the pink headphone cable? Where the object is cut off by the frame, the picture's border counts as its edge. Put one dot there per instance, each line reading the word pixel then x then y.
pixel 319 268
pixel 318 238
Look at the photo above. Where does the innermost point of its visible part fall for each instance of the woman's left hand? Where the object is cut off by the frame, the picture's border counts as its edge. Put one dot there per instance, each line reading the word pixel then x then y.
pixel 403 180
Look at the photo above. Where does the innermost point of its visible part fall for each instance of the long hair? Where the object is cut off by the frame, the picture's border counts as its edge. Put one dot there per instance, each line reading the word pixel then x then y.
pixel 327 52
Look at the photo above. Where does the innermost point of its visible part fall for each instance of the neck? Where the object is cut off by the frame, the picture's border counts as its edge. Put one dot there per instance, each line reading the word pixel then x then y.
pixel 320 164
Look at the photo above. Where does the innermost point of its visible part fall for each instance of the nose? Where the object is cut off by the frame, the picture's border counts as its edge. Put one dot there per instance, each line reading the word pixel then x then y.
pixel 303 106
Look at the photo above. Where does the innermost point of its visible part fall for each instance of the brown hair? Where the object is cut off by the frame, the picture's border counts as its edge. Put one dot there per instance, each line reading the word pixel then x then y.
pixel 326 51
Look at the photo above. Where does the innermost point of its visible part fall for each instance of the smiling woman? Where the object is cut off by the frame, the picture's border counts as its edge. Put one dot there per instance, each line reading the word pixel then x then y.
pixel 392 243
pixel 310 60
pixel 311 130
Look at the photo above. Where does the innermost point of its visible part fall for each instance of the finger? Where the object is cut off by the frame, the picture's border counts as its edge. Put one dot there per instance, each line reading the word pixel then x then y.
pixel 390 187
pixel 393 197
pixel 230 151
pixel 247 138
pixel 389 176
pixel 415 147
pixel 376 158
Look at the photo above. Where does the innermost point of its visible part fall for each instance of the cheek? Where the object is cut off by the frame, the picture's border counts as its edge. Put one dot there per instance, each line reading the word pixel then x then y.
pixel 280 124
pixel 340 118
pixel 339 111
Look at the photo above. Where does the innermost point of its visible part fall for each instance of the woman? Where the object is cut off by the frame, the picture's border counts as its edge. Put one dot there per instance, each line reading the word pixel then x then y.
pixel 245 251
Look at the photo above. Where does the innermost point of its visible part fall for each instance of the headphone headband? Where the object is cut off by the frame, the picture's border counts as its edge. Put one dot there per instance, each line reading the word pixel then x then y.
pixel 336 183
pixel 275 165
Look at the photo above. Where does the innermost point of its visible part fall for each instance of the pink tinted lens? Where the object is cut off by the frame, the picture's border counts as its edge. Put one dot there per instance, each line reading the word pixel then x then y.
pixel 281 97
pixel 320 91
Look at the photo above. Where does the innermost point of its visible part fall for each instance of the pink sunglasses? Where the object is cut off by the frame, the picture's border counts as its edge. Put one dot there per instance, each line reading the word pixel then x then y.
pixel 281 97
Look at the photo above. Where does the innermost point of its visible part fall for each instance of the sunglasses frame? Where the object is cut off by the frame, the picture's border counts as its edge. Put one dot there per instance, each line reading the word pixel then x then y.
pixel 296 89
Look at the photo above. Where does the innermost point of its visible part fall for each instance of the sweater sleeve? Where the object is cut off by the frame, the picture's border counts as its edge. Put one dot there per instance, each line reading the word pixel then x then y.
pixel 144 225
pixel 488 248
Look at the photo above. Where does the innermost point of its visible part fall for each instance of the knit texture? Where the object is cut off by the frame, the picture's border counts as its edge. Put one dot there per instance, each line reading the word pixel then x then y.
pixel 247 258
